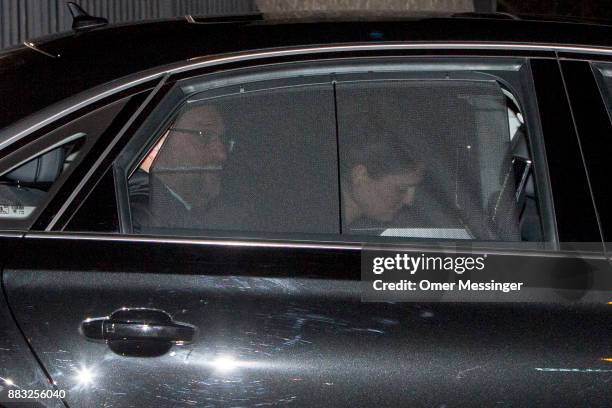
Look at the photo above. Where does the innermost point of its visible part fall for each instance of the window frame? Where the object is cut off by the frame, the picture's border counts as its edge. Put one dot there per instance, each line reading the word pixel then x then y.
pixel 53 220
pixel 158 123
pixel 605 90
pixel 57 137
pixel 511 72
pixel 589 91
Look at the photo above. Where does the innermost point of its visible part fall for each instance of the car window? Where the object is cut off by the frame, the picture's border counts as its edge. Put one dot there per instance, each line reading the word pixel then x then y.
pixel 23 189
pixel 589 89
pixel 604 77
pixel 350 154
pixel 430 159
pixel 259 160
pixel 29 175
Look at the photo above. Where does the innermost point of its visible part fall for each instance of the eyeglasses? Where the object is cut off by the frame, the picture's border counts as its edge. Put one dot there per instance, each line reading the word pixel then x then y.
pixel 207 137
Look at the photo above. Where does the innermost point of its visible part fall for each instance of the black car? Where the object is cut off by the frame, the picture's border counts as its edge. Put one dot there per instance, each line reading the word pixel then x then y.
pixel 190 208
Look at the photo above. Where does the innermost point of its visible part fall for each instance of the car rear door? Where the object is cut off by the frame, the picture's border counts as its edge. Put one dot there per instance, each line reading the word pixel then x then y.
pixel 32 168
pixel 19 367
pixel 233 318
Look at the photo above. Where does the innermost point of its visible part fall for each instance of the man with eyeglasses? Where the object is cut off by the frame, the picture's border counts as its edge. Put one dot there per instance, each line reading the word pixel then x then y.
pixel 181 177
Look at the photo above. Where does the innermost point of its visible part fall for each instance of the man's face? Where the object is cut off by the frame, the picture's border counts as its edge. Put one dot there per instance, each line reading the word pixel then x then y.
pixel 382 198
pixel 199 132
pixel 195 143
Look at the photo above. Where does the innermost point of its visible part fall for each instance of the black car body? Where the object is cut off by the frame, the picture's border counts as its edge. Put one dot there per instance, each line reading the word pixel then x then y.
pixel 267 319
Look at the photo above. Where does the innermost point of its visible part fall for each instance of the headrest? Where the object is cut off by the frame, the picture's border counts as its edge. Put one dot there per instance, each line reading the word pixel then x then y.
pixel 519 145
pixel 44 169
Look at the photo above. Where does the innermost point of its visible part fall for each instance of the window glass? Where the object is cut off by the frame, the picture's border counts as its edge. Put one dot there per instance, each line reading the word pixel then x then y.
pixel 443 159
pixel 30 175
pixel 369 154
pixel 23 189
pixel 605 83
pixel 256 160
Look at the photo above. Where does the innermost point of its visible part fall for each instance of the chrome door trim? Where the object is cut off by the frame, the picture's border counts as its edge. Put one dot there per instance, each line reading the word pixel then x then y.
pixel 323 245
pixel 106 151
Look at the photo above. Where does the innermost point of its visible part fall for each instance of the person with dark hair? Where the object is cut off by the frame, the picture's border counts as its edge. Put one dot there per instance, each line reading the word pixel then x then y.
pixel 378 180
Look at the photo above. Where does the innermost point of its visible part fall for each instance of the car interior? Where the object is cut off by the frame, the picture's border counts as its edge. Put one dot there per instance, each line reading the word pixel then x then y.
pixel 24 188
pixel 286 170
pixel 283 171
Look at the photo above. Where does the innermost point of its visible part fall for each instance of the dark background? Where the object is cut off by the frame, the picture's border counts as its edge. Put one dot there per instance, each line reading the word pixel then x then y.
pixel 21 20
pixel 587 9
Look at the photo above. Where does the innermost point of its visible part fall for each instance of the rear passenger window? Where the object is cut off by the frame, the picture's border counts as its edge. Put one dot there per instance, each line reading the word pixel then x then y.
pixel 261 160
pixel 429 159
pixel 354 154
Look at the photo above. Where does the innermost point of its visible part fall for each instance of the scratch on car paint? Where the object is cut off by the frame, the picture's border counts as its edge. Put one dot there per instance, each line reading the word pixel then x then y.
pixel 324 319
pixel 359 329
pixel 243 283
pixel 187 356
pixel 461 373
pixel 386 322
pixel 299 323
pixel 572 370
pixel 291 342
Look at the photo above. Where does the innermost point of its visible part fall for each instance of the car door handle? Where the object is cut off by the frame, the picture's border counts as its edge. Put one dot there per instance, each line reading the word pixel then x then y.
pixel 133 331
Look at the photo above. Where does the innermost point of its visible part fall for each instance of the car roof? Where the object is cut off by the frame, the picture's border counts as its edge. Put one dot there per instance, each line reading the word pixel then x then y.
pixel 49 69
